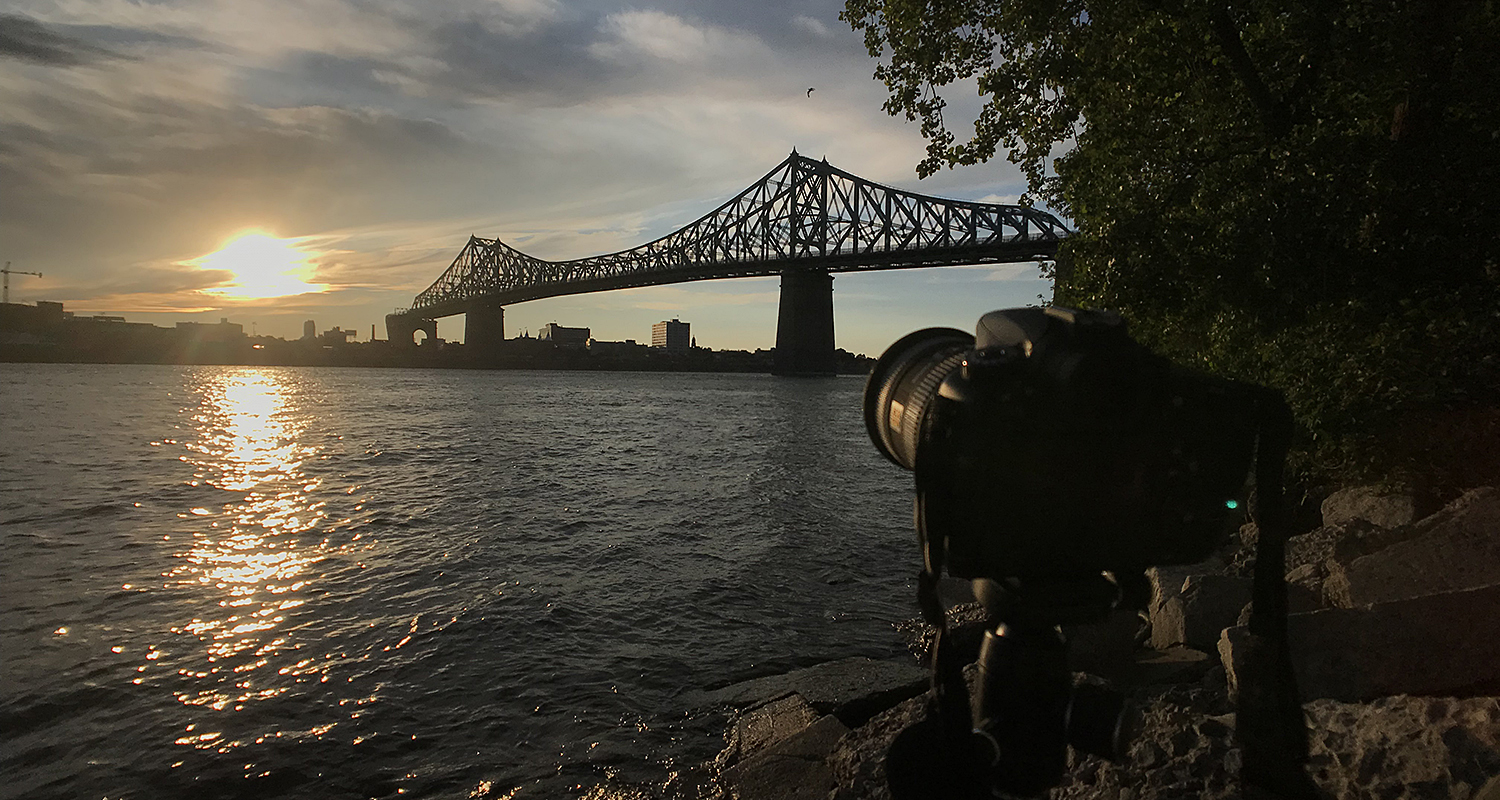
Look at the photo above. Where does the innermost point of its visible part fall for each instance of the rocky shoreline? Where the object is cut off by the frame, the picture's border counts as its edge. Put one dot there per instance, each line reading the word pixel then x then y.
pixel 1395 638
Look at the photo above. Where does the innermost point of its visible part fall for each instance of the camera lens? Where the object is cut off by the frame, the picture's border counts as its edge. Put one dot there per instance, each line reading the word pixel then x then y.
pixel 903 385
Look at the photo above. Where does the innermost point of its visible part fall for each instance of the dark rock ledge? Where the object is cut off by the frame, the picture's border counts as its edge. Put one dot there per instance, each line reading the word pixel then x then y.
pixel 1395 636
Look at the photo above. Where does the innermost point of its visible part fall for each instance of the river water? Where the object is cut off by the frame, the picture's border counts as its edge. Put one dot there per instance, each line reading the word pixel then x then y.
pixel 321 582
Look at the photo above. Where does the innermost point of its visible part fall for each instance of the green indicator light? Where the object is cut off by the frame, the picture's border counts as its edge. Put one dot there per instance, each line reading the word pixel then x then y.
pixel 1231 504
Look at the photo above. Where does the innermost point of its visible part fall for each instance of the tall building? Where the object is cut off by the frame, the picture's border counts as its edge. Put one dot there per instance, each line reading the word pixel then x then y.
pixel 569 337
pixel 309 330
pixel 672 335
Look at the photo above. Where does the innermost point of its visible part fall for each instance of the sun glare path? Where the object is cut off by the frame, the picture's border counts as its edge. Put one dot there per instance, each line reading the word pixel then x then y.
pixel 263 266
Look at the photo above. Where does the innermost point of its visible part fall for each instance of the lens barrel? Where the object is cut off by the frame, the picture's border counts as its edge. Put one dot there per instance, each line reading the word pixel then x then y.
pixel 903 385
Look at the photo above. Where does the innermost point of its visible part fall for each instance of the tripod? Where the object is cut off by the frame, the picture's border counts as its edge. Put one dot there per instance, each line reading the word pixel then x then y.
pixel 1013 739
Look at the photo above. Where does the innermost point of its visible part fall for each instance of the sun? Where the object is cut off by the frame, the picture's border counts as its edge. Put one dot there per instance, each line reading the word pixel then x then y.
pixel 263 266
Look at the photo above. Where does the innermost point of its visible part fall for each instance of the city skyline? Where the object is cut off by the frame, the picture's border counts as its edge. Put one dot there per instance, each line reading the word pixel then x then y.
pixel 326 160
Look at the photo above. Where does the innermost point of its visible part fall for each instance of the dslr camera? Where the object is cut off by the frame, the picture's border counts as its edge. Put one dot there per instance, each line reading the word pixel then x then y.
pixel 1055 458
pixel 1052 445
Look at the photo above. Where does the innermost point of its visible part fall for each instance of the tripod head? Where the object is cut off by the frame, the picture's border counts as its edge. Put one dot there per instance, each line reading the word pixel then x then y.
pixel 1027 709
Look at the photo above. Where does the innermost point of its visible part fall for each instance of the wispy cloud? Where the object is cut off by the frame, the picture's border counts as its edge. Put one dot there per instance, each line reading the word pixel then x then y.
pixel 658 35
pixel 811 25
pixel 25 39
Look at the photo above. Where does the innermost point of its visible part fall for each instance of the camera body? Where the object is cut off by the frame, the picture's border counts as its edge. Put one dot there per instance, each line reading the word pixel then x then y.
pixel 1051 445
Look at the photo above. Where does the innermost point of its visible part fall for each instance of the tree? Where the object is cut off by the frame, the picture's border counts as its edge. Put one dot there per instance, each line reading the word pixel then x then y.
pixel 1296 192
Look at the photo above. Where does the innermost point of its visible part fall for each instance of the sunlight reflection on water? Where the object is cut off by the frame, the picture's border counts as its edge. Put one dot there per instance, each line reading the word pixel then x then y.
pixel 247 439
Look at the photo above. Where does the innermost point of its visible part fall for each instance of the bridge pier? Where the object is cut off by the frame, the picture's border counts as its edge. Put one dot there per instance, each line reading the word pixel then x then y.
pixel 804 324
pixel 400 328
pixel 484 329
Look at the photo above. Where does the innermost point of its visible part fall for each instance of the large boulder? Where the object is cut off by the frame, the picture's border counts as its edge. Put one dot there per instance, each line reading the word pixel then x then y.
pixel 793 768
pixel 1205 605
pixel 1438 644
pixel 1399 747
pixel 1384 508
pixel 1415 747
pixel 852 689
pixel 755 728
pixel 1454 549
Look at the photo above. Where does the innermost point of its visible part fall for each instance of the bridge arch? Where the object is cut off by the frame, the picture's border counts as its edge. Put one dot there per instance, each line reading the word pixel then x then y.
pixel 401 329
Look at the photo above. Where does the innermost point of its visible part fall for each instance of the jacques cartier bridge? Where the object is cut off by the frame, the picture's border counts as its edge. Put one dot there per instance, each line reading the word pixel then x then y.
pixel 804 220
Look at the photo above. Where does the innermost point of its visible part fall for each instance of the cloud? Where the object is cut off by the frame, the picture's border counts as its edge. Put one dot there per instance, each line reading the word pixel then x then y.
pixel 811 25
pixel 381 133
pixel 667 37
pixel 25 39
pixel 517 17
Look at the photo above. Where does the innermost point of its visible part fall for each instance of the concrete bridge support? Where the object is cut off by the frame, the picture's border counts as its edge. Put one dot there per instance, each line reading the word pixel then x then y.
pixel 484 329
pixel 804 325
pixel 400 328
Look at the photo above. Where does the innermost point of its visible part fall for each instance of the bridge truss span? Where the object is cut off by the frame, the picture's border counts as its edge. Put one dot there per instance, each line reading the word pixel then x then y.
pixel 803 216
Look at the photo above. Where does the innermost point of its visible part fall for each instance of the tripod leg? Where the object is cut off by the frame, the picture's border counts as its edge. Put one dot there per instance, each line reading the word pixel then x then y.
pixel 1270 725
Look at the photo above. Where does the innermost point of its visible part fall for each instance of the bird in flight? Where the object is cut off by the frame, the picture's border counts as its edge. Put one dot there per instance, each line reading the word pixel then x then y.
pixel 810 91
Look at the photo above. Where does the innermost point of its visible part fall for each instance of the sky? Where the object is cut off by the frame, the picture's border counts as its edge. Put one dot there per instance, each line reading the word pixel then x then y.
pixel 275 161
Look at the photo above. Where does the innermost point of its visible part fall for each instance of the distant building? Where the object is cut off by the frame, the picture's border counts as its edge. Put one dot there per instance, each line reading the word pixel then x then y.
pixel 225 331
pixel 566 337
pixel 336 336
pixel 627 347
pixel 309 330
pixel 673 335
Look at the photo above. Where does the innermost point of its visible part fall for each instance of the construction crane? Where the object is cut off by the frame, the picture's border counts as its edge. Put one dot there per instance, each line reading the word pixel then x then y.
pixel 9 272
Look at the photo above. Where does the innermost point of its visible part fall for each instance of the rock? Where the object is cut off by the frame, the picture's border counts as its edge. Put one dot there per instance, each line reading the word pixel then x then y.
pixel 1404 746
pixel 1178 753
pixel 1166 583
pixel 1423 645
pixel 1400 747
pixel 1173 665
pixel 1206 605
pixel 858 761
pixel 1454 549
pixel 755 728
pixel 1352 538
pixel 853 689
pixel 1304 589
pixel 1385 509
pixel 793 768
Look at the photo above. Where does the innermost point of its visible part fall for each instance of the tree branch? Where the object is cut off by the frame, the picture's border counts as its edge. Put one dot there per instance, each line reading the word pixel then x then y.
pixel 1272 111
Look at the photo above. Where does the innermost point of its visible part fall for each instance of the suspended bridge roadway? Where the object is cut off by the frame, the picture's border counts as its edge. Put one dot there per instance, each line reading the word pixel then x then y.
pixel 804 220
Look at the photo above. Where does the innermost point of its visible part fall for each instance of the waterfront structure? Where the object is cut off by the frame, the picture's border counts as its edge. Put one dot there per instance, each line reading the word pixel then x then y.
pixel 565 337
pixel 671 334
pixel 803 220
pixel 309 330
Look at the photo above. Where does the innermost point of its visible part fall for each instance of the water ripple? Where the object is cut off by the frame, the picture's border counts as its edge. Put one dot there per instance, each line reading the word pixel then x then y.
pixel 353 583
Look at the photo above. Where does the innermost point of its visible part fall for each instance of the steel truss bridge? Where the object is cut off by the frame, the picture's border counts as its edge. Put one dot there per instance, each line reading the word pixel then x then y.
pixel 804 220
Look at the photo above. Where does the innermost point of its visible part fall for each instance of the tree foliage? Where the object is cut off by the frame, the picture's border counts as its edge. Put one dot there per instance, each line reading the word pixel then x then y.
pixel 1297 192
